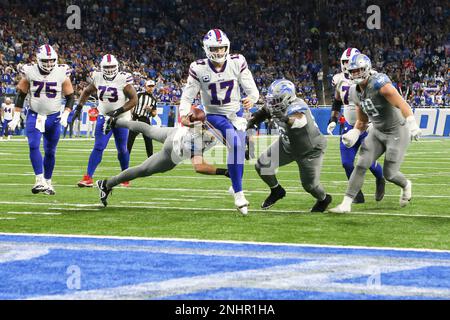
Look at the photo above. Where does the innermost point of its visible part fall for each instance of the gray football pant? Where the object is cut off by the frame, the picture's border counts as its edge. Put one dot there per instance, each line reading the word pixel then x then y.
pixel 157 163
pixel 376 143
pixel 309 167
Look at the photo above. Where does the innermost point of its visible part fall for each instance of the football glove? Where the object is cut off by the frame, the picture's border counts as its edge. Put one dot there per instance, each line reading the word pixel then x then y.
pixel 349 139
pixel 64 117
pixel 15 121
pixel 414 129
pixel 331 127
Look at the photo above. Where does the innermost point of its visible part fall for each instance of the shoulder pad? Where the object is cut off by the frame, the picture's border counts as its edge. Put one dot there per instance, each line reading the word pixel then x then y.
pixel 239 59
pixel 297 107
pixel 199 62
pixel 336 79
pixel 380 79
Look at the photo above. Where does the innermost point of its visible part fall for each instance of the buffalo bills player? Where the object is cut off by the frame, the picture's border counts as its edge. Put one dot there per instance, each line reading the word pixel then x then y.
pixel 116 97
pixel 219 78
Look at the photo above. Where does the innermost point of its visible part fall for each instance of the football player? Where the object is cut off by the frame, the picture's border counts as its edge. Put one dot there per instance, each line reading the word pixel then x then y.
pixel 7 112
pixel 219 78
pixel 300 141
pixel 394 126
pixel 178 144
pixel 116 97
pixel 342 83
pixel 45 82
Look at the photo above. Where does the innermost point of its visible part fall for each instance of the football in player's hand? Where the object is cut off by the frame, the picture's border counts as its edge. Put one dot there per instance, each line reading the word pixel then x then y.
pixel 197 114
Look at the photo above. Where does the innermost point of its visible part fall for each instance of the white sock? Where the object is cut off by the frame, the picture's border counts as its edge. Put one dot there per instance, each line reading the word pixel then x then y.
pixel 239 195
pixel 40 177
pixel 347 201
pixel 49 181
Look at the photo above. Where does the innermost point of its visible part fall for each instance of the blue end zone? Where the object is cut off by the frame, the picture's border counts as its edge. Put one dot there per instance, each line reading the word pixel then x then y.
pixel 37 267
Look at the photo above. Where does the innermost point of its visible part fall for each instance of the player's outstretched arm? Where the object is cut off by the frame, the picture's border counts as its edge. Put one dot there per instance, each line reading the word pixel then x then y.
pixel 257 117
pixel 201 166
pixel 395 99
pixel 131 94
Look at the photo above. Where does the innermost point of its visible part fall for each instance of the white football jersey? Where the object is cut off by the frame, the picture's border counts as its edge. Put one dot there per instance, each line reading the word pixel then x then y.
pixel 8 111
pixel 343 84
pixel 110 92
pixel 45 89
pixel 219 90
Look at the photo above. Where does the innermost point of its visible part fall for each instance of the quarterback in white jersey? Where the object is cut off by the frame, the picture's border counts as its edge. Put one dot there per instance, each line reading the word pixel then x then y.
pixel 46 82
pixel 219 78
pixel 343 83
pixel 116 97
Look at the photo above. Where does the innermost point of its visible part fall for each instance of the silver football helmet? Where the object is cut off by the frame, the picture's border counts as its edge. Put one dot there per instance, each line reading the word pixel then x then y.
pixel 359 68
pixel 280 94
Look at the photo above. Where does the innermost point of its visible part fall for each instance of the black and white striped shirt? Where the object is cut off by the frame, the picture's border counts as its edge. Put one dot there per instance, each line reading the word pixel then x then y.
pixel 144 99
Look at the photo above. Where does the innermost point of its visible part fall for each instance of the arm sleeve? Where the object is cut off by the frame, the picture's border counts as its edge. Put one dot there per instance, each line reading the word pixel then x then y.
pixel 190 91
pixel 337 105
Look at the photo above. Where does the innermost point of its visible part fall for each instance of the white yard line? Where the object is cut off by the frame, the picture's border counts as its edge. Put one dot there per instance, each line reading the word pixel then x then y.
pixel 33 213
pixel 225 209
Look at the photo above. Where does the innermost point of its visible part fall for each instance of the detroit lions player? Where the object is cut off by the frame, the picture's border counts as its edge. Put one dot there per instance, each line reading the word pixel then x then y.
pixel 342 83
pixel 300 141
pixel 178 144
pixel 45 82
pixel 219 78
pixel 116 96
pixel 394 126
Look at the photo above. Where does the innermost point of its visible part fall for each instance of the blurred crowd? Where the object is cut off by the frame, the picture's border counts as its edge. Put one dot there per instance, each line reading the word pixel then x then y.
pixel 159 39
pixel 412 47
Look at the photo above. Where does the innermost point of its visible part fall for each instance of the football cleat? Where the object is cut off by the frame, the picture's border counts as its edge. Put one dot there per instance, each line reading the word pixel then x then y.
pixel 406 194
pixel 359 198
pixel 103 190
pixel 86 182
pixel 241 203
pixel 380 187
pixel 276 194
pixel 341 209
pixel 39 186
pixel 321 206
pixel 50 190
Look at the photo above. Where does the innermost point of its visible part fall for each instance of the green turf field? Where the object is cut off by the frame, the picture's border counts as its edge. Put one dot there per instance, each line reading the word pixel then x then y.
pixel 183 204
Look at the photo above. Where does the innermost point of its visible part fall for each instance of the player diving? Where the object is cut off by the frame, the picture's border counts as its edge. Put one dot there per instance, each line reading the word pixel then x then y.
pixel 179 144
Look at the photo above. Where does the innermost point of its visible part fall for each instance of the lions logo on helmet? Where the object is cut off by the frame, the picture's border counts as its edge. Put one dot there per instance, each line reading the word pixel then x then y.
pixel 359 68
pixel 212 42
pixel 346 57
pixel 46 58
pixel 281 94
pixel 109 66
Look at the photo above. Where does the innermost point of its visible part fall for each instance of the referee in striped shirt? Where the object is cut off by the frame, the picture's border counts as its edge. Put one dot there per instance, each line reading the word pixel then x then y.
pixel 145 108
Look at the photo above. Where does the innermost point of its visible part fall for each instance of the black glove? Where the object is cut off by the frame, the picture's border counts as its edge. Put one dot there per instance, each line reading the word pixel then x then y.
pixel 115 113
